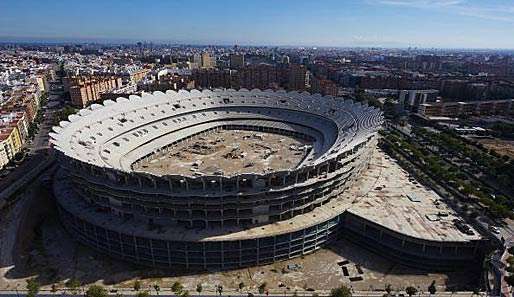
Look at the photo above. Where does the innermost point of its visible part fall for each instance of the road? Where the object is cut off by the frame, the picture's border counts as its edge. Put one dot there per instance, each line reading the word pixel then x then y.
pixel 37 148
pixel 238 294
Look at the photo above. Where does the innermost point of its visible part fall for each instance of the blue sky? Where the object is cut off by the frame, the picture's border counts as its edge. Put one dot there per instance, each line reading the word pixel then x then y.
pixel 388 23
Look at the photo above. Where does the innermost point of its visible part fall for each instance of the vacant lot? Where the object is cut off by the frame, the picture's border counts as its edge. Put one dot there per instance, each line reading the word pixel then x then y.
pixel 502 147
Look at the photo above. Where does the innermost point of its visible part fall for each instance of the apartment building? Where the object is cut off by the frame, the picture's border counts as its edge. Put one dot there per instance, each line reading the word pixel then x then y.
pixel 84 90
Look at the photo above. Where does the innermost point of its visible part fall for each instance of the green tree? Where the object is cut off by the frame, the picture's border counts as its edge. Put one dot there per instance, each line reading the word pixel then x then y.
pixel 32 287
pixel 241 285
pixel 157 288
pixel 184 293
pixel 177 287
pixel 143 294
pixel 137 285
pixel 262 288
pixel 411 290
pixel 96 291
pixel 342 291
pixel 73 285
pixel 432 289
pixel 199 288
pixel 388 289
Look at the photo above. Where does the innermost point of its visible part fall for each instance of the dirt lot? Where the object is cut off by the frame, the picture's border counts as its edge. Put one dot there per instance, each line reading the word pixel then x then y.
pixel 55 258
pixel 502 147
pixel 228 152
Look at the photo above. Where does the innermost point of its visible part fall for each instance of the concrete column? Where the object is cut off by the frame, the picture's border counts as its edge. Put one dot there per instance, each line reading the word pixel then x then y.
pixel 254 178
pixel 169 252
pixel 151 251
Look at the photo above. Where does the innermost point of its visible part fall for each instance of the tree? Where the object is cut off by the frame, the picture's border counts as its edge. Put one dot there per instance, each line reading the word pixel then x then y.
pixel 432 289
pixel 32 287
pixel 388 289
pixel 96 291
pixel 137 285
pixel 342 291
pixel 177 287
pixel 73 285
pixel 411 291
pixel 184 294
pixel 199 288
pixel 241 285
pixel 157 288
pixel 219 289
pixel 54 288
pixel 142 294
pixel 262 288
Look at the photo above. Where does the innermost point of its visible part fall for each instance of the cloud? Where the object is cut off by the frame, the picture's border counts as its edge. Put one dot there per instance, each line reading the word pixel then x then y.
pixel 485 10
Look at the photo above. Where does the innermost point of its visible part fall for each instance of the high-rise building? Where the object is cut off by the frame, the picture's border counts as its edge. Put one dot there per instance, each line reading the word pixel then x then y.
pixel 237 61
pixel 207 61
pixel 197 59
pixel 10 143
pixel 297 77
pixel 42 83
pixel 324 86
pixel 84 90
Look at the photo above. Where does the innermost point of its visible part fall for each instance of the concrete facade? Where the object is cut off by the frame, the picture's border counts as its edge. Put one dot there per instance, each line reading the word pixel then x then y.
pixel 110 203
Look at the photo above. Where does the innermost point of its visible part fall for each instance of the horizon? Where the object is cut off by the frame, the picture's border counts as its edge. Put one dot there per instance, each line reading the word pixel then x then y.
pixel 426 24
pixel 115 42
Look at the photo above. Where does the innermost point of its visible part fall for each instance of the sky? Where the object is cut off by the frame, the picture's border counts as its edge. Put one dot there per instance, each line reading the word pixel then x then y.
pixel 344 23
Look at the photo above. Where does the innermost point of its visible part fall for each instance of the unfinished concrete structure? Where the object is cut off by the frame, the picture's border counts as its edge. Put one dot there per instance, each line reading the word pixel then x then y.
pixel 109 200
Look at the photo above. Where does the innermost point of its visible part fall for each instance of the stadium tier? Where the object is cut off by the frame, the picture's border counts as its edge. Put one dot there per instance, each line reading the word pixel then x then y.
pixel 211 179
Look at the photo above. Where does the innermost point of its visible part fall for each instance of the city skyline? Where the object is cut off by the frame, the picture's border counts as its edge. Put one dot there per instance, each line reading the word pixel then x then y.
pixel 352 23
